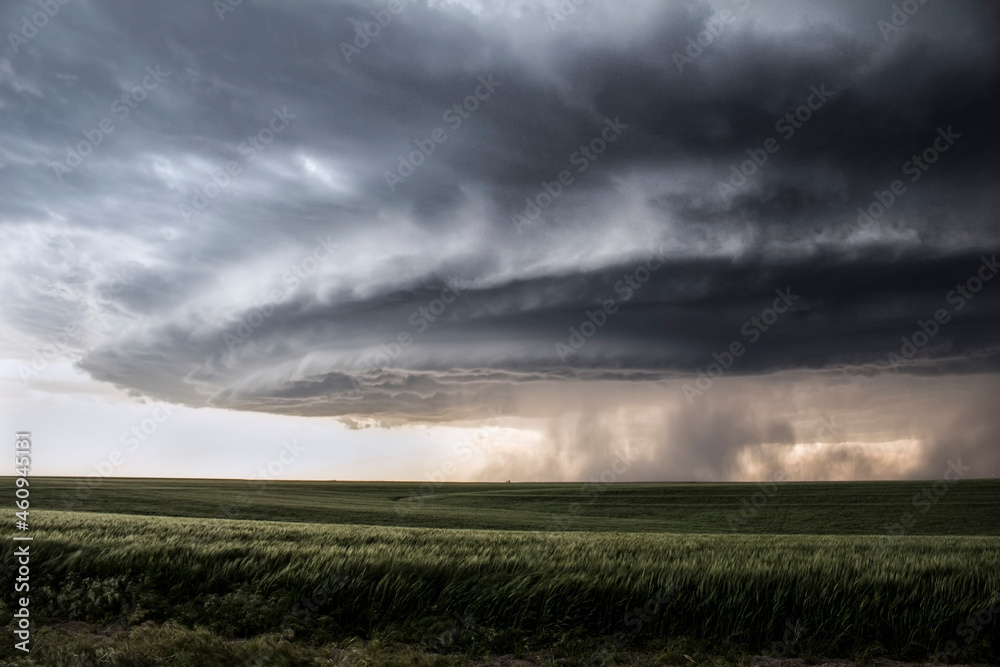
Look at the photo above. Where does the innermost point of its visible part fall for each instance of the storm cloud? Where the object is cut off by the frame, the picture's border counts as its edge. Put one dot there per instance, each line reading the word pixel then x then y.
pixel 424 211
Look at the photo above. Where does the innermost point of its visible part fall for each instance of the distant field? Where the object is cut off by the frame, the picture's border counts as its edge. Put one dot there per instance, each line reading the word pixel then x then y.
pixel 968 507
pixel 478 570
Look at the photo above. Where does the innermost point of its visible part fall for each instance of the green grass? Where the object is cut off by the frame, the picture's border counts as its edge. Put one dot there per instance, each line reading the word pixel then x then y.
pixel 524 589
pixel 479 570
pixel 842 508
pixel 76 645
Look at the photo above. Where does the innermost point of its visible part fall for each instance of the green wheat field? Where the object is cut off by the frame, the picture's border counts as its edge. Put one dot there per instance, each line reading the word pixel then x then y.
pixel 214 572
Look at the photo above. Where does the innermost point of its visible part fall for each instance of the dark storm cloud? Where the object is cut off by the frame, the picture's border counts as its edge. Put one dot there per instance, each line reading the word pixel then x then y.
pixel 410 354
pixel 324 346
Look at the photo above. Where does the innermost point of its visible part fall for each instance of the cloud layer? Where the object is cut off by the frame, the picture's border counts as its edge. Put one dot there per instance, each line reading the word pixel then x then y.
pixel 270 209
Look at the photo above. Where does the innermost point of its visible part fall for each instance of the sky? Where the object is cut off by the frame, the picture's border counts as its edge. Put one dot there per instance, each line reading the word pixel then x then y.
pixel 530 240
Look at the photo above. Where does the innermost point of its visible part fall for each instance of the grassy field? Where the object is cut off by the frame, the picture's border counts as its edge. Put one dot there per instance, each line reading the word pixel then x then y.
pixel 842 508
pixel 352 573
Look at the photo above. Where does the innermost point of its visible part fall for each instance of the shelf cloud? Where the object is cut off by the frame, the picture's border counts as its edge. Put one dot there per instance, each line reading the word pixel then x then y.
pixel 422 212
